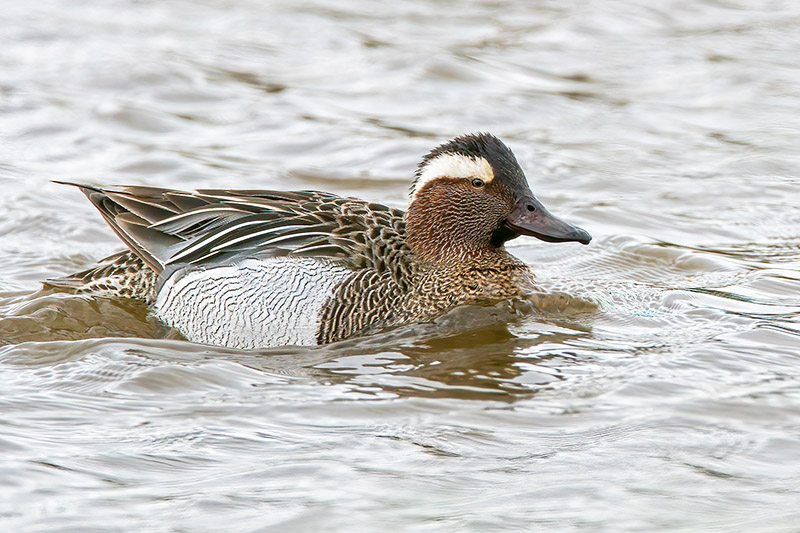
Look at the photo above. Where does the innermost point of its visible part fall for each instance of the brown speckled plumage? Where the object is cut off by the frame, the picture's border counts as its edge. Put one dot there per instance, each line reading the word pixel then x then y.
pixel 122 275
pixel 368 301
pixel 402 267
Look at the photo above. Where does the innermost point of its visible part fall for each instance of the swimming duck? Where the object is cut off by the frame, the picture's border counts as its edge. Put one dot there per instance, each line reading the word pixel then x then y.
pixel 253 269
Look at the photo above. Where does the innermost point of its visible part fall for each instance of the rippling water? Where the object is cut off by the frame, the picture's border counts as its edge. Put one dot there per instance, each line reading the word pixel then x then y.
pixel 660 391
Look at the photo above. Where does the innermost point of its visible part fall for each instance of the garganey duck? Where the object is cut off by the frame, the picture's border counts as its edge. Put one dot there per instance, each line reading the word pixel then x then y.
pixel 254 269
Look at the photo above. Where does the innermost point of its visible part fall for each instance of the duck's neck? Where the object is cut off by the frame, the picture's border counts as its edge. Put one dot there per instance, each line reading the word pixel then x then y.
pixel 443 238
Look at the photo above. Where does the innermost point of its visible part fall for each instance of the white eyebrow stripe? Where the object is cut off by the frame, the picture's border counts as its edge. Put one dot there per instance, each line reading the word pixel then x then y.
pixel 454 166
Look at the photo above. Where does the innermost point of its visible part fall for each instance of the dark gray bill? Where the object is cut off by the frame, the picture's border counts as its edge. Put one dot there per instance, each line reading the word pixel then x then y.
pixel 530 217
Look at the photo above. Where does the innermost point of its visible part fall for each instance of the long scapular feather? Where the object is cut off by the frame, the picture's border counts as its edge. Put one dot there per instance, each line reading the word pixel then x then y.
pixel 166 227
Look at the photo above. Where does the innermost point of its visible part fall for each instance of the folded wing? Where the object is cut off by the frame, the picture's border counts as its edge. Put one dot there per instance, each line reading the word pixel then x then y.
pixel 168 228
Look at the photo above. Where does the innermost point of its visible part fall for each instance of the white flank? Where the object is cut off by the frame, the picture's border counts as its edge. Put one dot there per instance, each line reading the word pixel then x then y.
pixel 454 166
pixel 252 304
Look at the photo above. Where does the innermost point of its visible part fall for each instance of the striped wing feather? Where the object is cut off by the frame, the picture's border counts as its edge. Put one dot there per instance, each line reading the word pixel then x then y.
pixel 169 228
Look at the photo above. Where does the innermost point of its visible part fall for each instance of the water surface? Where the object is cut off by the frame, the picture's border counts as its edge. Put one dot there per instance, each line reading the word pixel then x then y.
pixel 662 395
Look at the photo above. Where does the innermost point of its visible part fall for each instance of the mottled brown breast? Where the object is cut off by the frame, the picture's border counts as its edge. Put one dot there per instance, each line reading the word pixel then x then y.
pixel 368 301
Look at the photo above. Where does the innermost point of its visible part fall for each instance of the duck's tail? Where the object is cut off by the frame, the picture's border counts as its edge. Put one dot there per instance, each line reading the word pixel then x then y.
pixel 123 274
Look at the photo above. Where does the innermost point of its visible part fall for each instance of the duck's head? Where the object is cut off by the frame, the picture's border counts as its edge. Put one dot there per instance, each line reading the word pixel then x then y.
pixel 470 197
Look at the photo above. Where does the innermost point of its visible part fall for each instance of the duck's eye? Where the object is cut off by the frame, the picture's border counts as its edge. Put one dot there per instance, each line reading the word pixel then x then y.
pixel 477 182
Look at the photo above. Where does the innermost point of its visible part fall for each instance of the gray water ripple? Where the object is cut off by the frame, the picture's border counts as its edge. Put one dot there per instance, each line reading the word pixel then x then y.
pixel 655 390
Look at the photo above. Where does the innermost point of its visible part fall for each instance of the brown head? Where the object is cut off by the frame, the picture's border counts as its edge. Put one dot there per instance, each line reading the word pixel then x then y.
pixel 470 197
